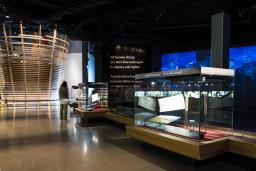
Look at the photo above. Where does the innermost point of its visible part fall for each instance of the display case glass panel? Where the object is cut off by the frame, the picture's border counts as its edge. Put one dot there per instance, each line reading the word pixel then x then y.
pixel 93 96
pixel 194 103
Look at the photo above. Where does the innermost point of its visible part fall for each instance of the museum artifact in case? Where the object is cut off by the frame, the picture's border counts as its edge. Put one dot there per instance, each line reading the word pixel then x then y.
pixel 195 103
pixel 93 96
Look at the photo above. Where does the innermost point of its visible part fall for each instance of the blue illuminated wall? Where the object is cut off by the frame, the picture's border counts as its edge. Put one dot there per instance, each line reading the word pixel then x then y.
pixel 173 61
pixel 179 60
pixel 91 68
pixel 239 56
pixel 91 63
pixel 243 60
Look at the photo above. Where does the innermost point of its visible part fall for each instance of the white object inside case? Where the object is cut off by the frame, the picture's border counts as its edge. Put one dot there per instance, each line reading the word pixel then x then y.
pixel 172 103
pixel 147 102
pixel 95 97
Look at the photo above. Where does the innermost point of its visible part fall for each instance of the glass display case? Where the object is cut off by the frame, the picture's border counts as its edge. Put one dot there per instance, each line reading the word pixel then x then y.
pixel 195 103
pixel 93 96
pixel 74 92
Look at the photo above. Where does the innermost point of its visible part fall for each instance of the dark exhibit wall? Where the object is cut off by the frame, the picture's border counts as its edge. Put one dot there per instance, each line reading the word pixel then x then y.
pixel 121 64
pixel 243 60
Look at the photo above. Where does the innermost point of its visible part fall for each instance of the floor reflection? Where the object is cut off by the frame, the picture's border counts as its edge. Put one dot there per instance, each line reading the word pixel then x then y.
pixel 29 111
pixel 33 138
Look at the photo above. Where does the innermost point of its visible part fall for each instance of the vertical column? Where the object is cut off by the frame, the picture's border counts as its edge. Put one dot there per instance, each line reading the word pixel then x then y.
pixel 91 62
pixel 99 51
pixel 220 40
pixel 84 61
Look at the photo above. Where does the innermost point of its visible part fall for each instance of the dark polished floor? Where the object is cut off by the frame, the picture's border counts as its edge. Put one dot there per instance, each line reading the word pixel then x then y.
pixel 34 139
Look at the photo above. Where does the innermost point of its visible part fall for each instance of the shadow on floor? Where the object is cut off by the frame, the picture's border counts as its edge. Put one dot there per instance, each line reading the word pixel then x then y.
pixel 61 136
pixel 169 160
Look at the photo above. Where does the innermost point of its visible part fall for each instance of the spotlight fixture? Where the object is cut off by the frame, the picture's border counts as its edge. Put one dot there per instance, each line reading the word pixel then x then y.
pixel 118 47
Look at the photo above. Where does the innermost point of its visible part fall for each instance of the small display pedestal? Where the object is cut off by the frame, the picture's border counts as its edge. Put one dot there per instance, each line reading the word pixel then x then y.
pixel 92 100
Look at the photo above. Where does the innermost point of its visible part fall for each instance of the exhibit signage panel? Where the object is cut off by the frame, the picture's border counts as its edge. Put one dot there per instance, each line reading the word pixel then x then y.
pixel 123 62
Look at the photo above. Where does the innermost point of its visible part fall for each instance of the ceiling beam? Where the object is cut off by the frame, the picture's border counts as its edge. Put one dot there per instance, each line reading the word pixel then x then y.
pixel 41 3
pixel 78 8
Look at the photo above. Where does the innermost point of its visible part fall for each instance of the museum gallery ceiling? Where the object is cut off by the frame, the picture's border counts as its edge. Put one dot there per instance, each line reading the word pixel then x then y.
pixel 177 23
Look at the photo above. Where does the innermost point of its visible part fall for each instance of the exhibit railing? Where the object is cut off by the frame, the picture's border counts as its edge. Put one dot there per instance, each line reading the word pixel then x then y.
pixel 31 62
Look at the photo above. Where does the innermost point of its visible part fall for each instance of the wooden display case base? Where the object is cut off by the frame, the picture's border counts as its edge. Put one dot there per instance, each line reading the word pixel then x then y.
pixel 243 146
pixel 200 151
pixel 86 115
pixel 183 146
pixel 119 118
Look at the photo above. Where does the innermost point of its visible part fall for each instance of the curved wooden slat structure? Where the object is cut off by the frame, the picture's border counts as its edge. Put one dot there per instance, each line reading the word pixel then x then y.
pixel 31 63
